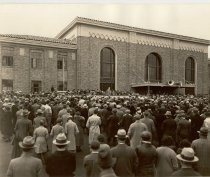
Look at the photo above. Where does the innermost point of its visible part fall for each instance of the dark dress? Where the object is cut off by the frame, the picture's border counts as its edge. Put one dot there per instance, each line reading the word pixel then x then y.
pixel 61 164
pixel 6 122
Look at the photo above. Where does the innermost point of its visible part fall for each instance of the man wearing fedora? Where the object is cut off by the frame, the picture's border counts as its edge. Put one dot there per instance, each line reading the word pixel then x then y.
pixel 169 125
pixel 126 158
pixel 187 159
pixel 201 147
pixel 61 162
pixel 26 165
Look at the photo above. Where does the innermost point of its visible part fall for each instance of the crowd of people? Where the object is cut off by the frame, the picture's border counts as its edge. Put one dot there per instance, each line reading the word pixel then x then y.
pixel 128 134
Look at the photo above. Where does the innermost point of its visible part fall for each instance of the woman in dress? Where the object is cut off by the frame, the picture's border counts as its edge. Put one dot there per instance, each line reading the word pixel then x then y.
pixel 56 129
pixel 40 136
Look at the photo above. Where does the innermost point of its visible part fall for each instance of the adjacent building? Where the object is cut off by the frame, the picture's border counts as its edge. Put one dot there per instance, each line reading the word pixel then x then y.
pixel 91 54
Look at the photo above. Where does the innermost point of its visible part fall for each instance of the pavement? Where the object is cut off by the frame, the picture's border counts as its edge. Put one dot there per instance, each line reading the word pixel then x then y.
pixel 6 149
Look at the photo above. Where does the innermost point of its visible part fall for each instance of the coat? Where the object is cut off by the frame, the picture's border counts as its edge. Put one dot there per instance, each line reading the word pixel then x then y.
pixel 61 163
pixel 80 121
pixel 167 162
pixel 6 122
pixel 169 127
pixel 23 128
pixel 134 133
pixel 71 130
pixel 202 151
pixel 185 172
pixel 25 166
pixel 93 124
pixel 126 160
pixel 108 173
pixel 91 166
pixel 41 135
pixel 147 157
pixel 56 129
pixel 183 130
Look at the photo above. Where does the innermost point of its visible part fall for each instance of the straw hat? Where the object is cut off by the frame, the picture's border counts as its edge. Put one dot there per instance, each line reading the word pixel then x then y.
pixel 187 155
pixel 61 139
pixel 121 134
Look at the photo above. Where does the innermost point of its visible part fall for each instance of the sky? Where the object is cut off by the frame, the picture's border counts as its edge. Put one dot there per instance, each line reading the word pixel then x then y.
pixel 189 19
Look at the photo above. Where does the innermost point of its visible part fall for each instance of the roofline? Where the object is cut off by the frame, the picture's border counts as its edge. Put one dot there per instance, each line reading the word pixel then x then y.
pixel 36 43
pixel 81 20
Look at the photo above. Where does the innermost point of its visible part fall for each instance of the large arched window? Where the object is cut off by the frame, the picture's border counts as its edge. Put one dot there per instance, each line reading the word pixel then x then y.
pixel 190 71
pixel 153 68
pixel 107 78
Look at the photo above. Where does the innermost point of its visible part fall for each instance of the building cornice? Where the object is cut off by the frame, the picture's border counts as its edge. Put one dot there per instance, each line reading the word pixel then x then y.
pixel 15 39
pixel 81 20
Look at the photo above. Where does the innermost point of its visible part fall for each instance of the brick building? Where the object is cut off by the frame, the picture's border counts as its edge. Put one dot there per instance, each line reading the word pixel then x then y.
pixel 99 55
pixel 30 63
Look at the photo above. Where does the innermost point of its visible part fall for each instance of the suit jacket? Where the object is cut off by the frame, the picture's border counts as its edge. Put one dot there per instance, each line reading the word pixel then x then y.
pixel 126 160
pixel 90 163
pixel 61 163
pixel 202 151
pixel 185 172
pixel 25 166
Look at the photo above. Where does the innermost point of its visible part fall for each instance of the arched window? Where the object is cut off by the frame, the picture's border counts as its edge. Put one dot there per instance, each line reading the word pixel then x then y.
pixel 190 71
pixel 153 68
pixel 107 78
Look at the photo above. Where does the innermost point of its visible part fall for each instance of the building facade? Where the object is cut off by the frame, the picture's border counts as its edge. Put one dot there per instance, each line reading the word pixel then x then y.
pixel 102 55
pixel 34 64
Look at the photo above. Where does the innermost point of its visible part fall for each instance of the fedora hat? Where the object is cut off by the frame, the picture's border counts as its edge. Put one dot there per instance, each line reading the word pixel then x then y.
pixel 27 143
pixel 187 155
pixel 168 113
pixel 203 131
pixel 121 134
pixel 61 139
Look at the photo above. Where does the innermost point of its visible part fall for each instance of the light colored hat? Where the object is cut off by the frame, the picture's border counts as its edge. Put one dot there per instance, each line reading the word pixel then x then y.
pixel 61 139
pixel 27 143
pixel 85 106
pixel 118 106
pixel 121 134
pixel 187 155
pixel 168 113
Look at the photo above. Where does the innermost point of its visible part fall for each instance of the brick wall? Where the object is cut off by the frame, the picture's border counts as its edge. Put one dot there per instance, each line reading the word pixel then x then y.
pixel 130 64
pixel 22 74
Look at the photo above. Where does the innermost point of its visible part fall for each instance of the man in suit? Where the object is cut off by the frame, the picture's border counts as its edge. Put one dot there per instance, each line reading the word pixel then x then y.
pixel 26 165
pixel 126 158
pixel 62 162
pixel 187 160
pixel 90 161
pixel 201 147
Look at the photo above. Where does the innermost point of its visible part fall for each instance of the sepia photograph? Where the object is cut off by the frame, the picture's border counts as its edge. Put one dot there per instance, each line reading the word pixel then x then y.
pixel 104 89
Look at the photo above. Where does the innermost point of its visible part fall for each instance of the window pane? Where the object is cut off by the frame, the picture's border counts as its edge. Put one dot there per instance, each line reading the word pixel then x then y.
pixel 190 70
pixel 152 68
pixel 107 67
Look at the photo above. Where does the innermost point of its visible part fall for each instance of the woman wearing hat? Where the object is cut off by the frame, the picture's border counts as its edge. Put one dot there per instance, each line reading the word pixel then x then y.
pixel 40 136
pixel 56 129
